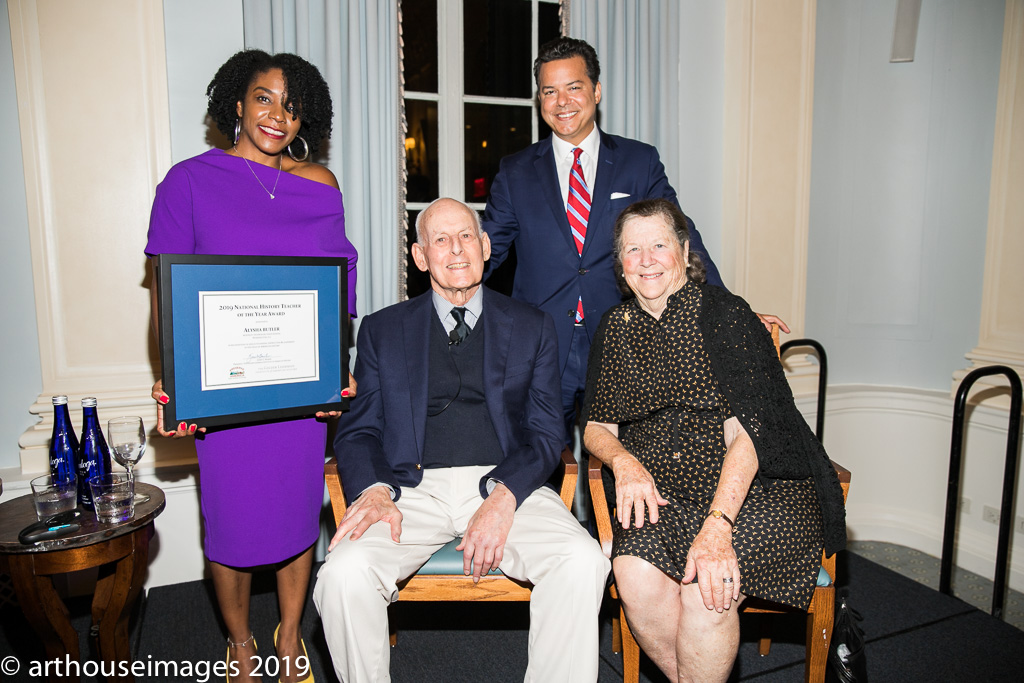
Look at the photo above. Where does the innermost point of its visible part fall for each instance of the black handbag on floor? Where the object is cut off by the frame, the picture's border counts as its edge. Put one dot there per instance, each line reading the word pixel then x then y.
pixel 847 662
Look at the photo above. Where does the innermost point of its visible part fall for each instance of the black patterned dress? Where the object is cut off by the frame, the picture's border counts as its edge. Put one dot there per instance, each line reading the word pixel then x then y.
pixel 654 379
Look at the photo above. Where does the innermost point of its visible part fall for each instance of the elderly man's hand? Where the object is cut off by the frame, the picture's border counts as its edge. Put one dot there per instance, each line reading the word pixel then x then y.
pixel 372 506
pixel 711 560
pixel 634 489
pixel 484 542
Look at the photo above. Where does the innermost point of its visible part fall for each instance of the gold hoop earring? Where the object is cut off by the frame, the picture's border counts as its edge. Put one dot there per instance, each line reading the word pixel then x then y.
pixel 305 146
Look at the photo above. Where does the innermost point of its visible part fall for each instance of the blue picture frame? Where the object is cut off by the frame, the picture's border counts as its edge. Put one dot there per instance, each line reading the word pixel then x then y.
pixel 180 280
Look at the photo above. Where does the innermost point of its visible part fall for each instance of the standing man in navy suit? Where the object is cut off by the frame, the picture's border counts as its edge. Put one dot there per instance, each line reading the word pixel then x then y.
pixel 456 427
pixel 532 201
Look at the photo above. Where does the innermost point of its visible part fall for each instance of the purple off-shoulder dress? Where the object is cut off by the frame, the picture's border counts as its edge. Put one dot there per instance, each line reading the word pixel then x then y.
pixel 261 487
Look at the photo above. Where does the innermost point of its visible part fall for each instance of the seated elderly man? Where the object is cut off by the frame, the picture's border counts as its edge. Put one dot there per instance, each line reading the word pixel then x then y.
pixel 456 427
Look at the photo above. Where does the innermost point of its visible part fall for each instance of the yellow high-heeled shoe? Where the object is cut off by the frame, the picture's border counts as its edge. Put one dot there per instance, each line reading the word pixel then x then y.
pixel 245 644
pixel 309 664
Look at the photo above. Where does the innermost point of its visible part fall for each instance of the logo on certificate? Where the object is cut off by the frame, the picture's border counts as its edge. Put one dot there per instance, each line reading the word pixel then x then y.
pixel 236 372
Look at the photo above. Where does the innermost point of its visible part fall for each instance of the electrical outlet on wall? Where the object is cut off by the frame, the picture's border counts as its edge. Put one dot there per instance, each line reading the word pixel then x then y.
pixel 965 505
pixel 990 514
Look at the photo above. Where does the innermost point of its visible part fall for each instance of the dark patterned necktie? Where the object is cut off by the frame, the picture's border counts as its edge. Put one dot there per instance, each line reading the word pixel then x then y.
pixel 461 330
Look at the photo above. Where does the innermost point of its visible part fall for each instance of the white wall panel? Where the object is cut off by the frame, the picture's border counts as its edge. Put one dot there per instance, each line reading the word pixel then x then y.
pixel 901 163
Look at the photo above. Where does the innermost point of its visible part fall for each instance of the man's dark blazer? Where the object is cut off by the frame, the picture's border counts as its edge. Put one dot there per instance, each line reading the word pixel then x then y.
pixel 526 207
pixel 381 438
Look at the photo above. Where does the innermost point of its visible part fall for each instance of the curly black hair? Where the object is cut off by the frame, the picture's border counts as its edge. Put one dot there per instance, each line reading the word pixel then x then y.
pixel 306 89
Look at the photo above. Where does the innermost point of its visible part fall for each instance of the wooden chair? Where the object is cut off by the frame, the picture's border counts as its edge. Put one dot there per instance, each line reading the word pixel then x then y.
pixel 820 613
pixel 441 578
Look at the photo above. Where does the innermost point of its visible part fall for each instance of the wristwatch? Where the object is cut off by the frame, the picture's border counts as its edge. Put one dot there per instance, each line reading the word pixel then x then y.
pixel 718 514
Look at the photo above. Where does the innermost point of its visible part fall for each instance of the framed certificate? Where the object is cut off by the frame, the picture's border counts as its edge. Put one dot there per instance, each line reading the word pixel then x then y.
pixel 251 338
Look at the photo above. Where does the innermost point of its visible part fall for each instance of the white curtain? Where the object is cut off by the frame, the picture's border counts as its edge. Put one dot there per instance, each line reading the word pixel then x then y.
pixel 662 64
pixel 355 46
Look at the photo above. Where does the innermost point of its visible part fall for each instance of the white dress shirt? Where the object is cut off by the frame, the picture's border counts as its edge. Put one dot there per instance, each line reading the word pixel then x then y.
pixel 474 307
pixel 591 147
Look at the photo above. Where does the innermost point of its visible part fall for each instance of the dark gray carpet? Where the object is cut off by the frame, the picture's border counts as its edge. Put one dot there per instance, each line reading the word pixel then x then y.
pixel 913 634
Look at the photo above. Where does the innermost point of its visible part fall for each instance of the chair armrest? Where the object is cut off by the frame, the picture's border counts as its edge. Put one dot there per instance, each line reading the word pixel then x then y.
pixel 571 475
pixel 829 561
pixel 602 516
pixel 333 480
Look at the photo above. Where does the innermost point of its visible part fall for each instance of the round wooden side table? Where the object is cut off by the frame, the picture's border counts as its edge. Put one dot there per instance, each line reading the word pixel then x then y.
pixel 121 551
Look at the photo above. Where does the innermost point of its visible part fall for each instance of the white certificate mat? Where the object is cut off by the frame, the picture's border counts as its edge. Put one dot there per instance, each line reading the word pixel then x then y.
pixel 258 338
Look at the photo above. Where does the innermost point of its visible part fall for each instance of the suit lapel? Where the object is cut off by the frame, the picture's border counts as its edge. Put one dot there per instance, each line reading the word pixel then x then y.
pixel 497 338
pixel 547 177
pixel 601 195
pixel 416 329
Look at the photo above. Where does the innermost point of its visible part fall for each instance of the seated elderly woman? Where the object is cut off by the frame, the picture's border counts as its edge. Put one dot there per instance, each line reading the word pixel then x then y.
pixel 721 489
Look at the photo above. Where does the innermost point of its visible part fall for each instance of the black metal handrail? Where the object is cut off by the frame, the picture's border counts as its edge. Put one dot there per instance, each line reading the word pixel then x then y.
pixel 1009 483
pixel 819 430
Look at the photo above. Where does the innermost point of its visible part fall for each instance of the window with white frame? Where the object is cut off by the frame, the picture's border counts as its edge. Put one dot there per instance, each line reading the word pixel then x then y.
pixel 469 100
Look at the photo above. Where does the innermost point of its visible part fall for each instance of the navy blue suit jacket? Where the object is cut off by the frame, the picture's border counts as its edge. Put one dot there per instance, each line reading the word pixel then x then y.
pixel 526 207
pixel 381 438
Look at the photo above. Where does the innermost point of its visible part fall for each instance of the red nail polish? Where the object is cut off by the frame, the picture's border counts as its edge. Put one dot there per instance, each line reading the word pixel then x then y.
pixel 163 399
pixel 344 392
pixel 182 426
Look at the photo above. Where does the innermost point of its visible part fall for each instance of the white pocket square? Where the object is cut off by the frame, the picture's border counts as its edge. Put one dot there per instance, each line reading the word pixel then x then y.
pixel 619 195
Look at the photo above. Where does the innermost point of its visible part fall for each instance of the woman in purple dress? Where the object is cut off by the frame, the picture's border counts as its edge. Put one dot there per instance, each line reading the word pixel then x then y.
pixel 261 486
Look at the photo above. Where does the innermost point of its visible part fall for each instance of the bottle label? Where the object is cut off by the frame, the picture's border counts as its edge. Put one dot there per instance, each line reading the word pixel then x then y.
pixel 93 458
pixel 63 445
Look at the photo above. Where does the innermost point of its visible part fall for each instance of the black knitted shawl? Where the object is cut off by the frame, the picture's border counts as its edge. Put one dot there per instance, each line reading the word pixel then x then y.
pixel 752 380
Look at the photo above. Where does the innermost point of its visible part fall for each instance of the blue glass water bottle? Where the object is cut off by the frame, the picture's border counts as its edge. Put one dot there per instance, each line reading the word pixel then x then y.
pixel 63 443
pixel 93 454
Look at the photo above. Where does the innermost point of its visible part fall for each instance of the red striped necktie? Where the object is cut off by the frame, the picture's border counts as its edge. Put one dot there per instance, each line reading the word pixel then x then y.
pixel 578 212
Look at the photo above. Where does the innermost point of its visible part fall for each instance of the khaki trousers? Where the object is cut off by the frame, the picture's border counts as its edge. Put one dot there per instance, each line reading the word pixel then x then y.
pixel 546 546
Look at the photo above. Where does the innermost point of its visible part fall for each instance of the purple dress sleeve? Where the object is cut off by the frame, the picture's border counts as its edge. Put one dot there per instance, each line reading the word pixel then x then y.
pixel 170 221
pixel 345 248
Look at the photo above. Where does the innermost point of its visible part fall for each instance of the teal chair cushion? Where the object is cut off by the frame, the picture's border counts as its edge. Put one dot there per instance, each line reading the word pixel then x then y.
pixel 447 560
pixel 824 580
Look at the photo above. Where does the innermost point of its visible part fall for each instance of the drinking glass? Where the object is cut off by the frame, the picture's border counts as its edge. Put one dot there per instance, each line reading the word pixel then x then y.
pixel 112 498
pixel 126 438
pixel 53 497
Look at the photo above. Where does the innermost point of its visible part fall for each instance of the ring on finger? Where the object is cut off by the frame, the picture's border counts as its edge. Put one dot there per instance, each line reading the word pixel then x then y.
pixel 727 579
